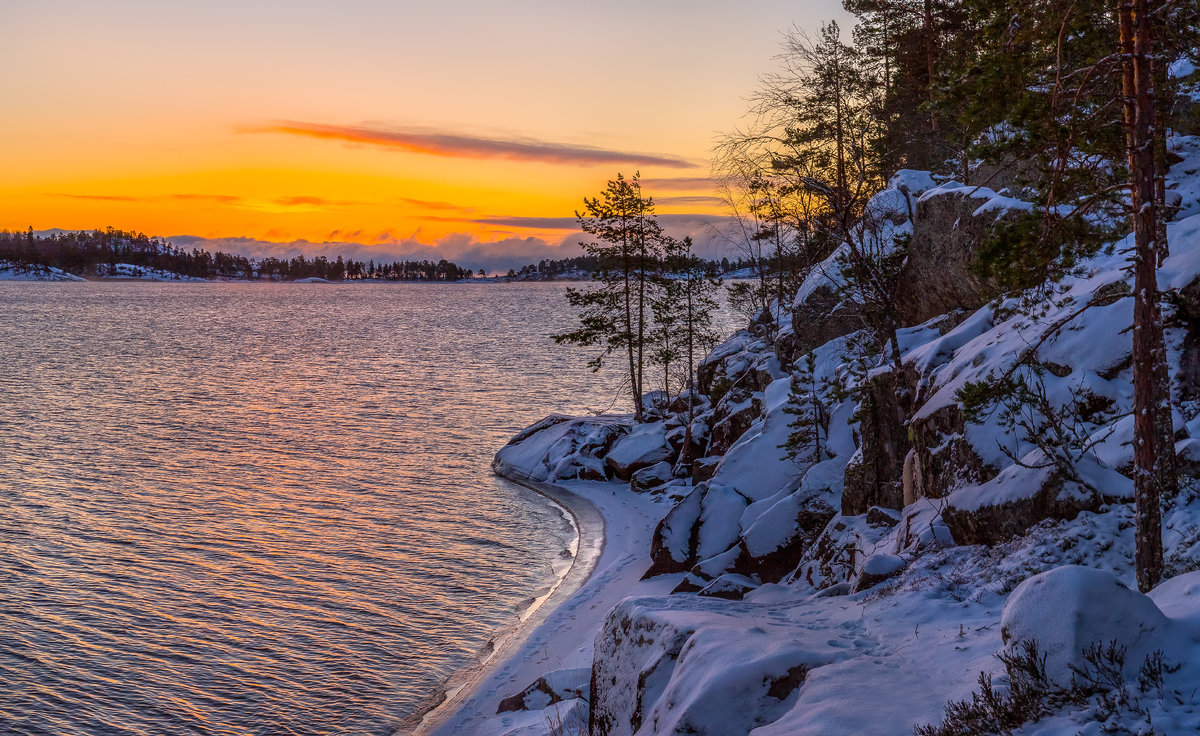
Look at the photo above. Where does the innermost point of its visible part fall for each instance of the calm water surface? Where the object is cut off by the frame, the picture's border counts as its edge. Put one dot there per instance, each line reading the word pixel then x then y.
pixel 265 509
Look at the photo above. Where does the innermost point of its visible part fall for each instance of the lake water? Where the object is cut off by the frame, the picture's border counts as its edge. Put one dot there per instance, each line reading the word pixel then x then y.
pixel 266 508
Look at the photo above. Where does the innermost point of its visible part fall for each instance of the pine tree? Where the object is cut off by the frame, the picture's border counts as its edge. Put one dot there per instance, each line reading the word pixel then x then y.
pixel 809 430
pixel 613 315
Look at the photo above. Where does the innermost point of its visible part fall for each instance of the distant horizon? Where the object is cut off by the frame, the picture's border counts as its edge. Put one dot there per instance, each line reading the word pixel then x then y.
pixel 466 129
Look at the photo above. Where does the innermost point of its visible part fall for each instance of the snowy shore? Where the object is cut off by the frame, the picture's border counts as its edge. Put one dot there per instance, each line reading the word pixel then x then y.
pixel 556 642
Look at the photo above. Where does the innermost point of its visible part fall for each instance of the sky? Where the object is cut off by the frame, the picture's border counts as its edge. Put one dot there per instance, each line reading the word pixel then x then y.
pixel 463 129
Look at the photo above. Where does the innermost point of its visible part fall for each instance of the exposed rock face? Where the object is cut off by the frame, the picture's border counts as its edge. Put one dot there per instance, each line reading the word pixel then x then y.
pixel 734 415
pixel 937 276
pixel 874 476
pixel 704 468
pixel 943 459
pixel 820 317
pixel 1187 313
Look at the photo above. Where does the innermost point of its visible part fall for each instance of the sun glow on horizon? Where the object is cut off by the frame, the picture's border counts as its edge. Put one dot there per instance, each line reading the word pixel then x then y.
pixel 366 122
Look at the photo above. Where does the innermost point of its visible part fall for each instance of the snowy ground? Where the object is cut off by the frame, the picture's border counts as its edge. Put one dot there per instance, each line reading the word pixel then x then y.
pixel 129 271
pixel 13 272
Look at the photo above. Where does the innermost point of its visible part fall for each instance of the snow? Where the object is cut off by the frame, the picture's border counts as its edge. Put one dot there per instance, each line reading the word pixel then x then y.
pixel 883 564
pixel 1069 608
pixel 645 445
pixel 140 273
pixel 18 272
pixel 814 654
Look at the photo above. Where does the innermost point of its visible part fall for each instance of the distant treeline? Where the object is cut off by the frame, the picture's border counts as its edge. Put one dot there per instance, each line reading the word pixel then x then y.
pixel 586 265
pixel 84 253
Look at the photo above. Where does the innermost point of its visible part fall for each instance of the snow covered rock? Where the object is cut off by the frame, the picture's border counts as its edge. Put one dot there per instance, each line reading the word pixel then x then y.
pixel 776 540
pixel 10 271
pixel 646 445
pixel 949 225
pixel 1021 497
pixel 1070 608
pixel 652 477
pixel 730 586
pixel 662 668
pixel 560 447
pixel 549 689
pixel 673 546
pixel 879 567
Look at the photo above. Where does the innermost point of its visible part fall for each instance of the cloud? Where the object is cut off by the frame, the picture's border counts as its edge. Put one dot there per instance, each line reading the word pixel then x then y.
pixel 458 145
pixel 535 223
pixel 691 199
pixel 100 197
pixel 214 198
pixel 426 204
pixel 466 250
pixel 680 184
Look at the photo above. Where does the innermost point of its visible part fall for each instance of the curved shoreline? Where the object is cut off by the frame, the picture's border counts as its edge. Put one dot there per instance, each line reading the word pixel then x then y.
pixel 590 529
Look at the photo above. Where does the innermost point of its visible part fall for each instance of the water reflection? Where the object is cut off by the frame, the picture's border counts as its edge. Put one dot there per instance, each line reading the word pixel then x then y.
pixel 260 509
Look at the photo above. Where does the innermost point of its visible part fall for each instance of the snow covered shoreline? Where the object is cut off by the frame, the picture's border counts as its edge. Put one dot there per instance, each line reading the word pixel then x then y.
pixel 589 528
pixel 556 641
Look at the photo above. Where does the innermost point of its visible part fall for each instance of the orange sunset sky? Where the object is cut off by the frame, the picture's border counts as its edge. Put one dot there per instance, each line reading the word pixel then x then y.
pixel 464 128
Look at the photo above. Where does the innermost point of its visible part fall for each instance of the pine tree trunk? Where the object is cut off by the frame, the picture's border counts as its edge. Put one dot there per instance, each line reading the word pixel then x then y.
pixel 1153 472
pixel 930 62
pixel 627 265
pixel 641 314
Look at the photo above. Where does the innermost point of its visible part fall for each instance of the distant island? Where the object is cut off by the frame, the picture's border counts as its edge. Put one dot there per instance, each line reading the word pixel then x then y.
pixel 119 254
pixel 113 253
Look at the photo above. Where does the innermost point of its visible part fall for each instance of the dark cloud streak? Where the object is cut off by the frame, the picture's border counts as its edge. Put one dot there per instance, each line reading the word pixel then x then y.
pixel 457 145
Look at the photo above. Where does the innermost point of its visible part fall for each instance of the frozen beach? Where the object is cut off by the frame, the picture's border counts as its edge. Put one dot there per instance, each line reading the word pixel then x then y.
pixel 556 642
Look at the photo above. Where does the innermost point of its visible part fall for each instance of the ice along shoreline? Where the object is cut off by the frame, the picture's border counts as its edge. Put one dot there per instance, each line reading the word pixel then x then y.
pixel 590 541
pixel 615 529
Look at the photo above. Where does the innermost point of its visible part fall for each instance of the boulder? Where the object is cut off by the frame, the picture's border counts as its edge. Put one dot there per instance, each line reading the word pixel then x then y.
pixel 646 445
pixel 647 478
pixel 775 543
pixel 731 587
pixel 549 689
pixel 1090 607
pixel 703 524
pixel 672 548
pixel 1021 497
pixel 878 568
